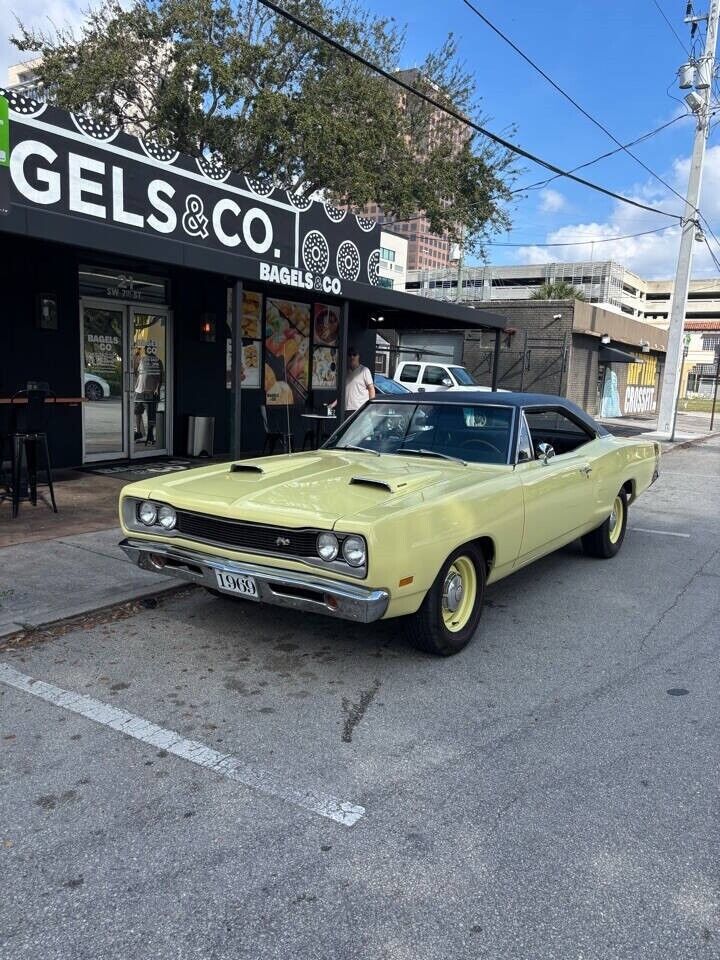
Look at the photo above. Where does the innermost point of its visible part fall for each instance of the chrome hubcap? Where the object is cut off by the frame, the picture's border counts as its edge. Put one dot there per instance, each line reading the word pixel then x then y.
pixel 452 592
pixel 613 520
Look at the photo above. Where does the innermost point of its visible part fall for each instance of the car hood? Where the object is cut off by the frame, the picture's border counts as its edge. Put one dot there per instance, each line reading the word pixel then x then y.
pixel 305 489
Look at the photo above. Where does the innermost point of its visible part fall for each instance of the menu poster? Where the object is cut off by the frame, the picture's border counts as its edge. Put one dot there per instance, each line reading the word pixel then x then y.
pixel 250 372
pixel 326 324
pixel 287 352
pixel 324 368
pixel 251 315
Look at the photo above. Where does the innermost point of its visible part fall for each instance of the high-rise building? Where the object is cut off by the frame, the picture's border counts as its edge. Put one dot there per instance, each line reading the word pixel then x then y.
pixel 426 250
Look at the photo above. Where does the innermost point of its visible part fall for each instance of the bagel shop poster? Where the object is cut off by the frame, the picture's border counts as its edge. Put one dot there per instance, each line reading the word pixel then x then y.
pixel 84 182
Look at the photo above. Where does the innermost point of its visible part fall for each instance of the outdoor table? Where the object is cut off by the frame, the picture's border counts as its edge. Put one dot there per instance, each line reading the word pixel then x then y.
pixel 318 418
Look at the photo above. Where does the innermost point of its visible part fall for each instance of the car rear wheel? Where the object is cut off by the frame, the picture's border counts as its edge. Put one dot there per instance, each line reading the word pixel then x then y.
pixel 93 391
pixel 608 538
pixel 449 615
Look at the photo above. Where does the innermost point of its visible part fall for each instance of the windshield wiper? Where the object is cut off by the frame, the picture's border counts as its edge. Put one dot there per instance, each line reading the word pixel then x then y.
pixel 352 446
pixel 431 453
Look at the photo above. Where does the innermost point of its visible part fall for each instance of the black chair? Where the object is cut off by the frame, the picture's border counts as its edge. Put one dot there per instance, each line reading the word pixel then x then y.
pixel 28 437
pixel 278 426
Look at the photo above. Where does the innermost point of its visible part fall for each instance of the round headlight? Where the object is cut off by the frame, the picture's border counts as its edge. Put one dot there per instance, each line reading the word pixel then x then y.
pixel 167 518
pixel 327 546
pixel 147 513
pixel 353 549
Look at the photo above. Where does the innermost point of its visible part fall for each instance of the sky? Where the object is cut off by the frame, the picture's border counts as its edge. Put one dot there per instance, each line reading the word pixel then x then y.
pixel 618 59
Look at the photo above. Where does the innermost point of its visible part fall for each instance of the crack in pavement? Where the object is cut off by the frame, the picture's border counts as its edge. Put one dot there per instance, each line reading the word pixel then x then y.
pixel 658 622
pixel 354 712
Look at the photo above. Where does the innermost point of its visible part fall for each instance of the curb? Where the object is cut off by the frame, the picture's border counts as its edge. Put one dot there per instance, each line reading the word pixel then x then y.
pixel 105 613
pixel 693 441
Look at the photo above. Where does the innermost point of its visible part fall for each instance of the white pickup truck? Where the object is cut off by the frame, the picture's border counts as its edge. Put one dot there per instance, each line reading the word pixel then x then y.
pixel 419 375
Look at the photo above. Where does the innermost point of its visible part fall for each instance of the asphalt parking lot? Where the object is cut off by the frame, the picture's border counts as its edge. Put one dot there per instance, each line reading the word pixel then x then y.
pixel 329 793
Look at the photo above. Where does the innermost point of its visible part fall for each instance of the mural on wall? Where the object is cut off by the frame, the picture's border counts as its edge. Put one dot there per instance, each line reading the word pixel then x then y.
pixel 251 329
pixel 326 331
pixel 641 389
pixel 610 404
pixel 287 352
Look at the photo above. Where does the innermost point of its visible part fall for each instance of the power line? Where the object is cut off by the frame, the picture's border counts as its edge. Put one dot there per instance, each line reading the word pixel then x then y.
pixel 563 93
pixel 663 15
pixel 581 243
pixel 604 156
pixel 513 148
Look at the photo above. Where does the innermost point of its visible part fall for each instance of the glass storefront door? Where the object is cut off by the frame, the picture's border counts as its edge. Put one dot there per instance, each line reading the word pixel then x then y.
pixel 125 372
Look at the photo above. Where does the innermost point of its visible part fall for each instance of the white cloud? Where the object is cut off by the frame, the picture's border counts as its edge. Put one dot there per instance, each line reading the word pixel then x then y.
pixel 551 201
pixel 654 255
pixel 43 14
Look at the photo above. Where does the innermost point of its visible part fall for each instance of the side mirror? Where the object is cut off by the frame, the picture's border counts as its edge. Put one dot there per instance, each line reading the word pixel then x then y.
pixel 447 382
pixel 545 452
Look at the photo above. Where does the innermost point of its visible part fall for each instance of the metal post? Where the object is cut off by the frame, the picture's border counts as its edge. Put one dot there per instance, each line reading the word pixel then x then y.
pixel 236 335
pixel 343 361
pixel 715 391
pixel 673 359
pixel 496 360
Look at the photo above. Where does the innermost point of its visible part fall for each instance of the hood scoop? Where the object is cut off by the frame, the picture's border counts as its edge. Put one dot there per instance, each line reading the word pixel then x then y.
pixel 374 482
pixel 245 468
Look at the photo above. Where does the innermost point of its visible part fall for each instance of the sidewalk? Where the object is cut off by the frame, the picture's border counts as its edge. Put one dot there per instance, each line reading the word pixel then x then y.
pixel 690 428
pixel 49 580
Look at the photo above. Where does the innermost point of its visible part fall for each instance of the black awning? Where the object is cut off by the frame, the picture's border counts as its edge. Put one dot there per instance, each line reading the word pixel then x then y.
pixel 613 355
pixel 408 311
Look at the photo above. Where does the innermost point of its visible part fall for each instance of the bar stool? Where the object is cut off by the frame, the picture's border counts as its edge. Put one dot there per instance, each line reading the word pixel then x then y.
pixel 27 439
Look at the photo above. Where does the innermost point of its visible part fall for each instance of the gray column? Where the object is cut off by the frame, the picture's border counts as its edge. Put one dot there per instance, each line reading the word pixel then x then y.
pixel 342 360
pixel 496 360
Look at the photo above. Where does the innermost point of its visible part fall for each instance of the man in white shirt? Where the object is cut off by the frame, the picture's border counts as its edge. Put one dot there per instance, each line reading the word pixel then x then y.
pixel 359 386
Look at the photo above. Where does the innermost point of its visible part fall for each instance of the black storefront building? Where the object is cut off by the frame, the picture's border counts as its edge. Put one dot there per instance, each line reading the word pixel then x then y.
pixel 146 287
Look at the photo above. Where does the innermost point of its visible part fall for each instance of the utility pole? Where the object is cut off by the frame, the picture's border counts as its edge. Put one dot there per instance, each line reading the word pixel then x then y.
pixel 699 102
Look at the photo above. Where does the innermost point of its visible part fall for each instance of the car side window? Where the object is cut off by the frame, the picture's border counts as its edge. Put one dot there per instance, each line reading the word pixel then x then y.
pixel 434 376
pixel 525 448
pixel 556 428
pixel 409 373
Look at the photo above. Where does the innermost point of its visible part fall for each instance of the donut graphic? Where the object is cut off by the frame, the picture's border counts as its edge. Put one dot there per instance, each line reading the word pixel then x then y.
pixel 315 252
pixel 97 129
pixel 336 214
pixel 158 151
pixel 299 202
pixel 348 261
pixel 24 105
pixel 262 185
pixel 213 167
pixel 373 268
pixel 366 224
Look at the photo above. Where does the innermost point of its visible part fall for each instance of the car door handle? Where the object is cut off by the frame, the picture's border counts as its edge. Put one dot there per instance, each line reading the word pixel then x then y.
pixel 587 469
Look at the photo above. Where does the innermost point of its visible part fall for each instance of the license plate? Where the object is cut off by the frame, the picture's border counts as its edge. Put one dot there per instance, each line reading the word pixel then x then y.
pixel 238 583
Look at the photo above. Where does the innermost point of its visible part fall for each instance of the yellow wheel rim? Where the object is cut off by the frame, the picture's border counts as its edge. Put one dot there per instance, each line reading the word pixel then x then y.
pixel 459 594
pixel 616 520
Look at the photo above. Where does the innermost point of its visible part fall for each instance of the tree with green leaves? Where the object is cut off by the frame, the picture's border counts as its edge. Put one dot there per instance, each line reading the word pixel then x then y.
pixel 231 78
pixel 558 290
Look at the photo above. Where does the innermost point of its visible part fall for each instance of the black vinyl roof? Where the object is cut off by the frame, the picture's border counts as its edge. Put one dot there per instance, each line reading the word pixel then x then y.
pixel 545 401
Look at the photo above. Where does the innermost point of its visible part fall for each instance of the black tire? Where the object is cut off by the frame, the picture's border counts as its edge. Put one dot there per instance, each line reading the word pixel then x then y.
pixel 426 630
pixel 93 391
pixel 600 542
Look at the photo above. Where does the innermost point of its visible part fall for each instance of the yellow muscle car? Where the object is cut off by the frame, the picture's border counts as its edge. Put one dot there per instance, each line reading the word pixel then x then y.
pixel 410 508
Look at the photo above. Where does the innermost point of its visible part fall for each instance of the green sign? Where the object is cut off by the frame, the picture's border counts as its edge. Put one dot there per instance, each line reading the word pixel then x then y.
pixel 4 133
pixel 4 158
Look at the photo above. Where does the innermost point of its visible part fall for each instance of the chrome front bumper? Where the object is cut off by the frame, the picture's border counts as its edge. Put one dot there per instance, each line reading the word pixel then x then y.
pixel 285 588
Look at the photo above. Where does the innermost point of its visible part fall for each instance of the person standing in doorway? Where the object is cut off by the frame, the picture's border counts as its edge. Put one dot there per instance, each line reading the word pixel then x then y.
pixel 359 386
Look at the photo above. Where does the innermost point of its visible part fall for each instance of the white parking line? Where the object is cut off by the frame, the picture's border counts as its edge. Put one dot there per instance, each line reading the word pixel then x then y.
pixel 140 729
pixel 661 533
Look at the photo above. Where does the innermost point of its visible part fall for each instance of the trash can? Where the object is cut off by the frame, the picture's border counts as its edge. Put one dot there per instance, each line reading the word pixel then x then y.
pixel 201 435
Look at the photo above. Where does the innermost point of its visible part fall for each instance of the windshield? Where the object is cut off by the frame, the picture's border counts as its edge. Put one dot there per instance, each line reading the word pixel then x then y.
pixel 386 385
pixel 474 432
pixel 463 377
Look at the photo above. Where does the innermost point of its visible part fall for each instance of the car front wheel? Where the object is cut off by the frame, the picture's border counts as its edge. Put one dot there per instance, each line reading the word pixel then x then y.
pixel 449 615
pixel 93 391
pixel 606 540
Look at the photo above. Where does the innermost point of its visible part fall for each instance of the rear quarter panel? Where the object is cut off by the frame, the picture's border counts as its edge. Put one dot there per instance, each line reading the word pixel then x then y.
pixel 618 462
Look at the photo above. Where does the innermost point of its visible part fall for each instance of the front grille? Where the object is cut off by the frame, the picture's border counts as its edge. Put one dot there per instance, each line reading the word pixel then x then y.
pixel 252 537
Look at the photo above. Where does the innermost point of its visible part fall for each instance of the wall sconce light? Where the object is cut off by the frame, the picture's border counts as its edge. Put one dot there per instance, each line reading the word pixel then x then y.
pixel 207 327
pixel 605 338
pixel 645 346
